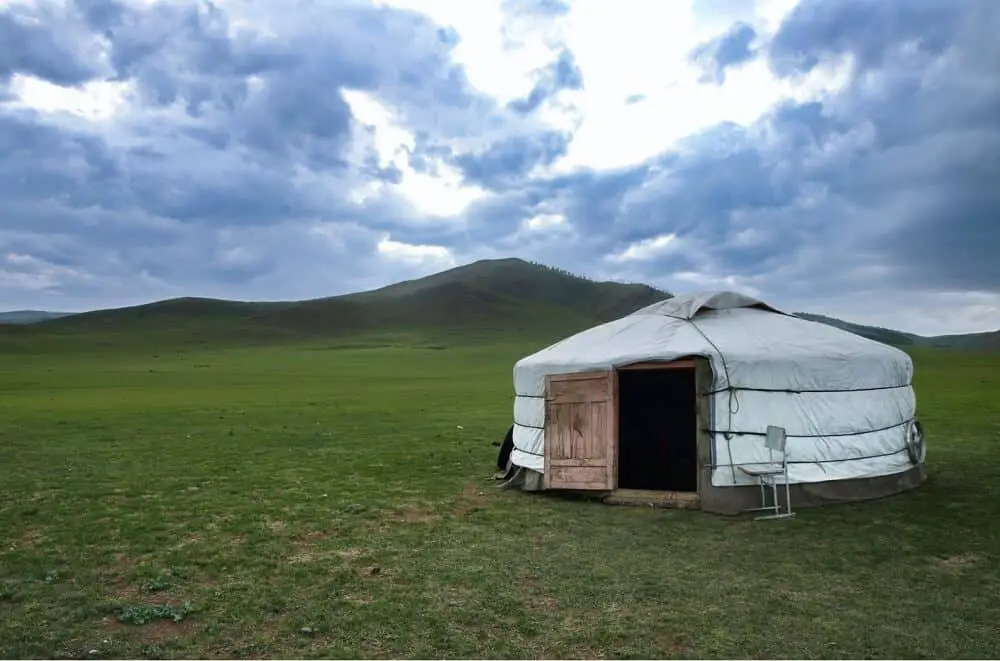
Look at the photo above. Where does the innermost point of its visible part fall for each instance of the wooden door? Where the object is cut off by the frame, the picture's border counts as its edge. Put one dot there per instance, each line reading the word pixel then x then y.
pixel 580 431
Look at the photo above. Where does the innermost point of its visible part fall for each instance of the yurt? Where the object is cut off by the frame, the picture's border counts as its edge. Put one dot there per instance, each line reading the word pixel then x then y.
pixel 677 401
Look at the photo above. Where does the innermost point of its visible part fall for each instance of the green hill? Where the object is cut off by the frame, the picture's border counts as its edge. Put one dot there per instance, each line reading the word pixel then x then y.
pixel 29 316
pixel 972 341
pixel 490 298
pixel 885 335
pixel 514 280
pixel 501 298
pixel 989 341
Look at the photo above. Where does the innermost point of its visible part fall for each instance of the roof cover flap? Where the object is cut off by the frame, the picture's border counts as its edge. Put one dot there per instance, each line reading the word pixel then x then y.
pixel 689 305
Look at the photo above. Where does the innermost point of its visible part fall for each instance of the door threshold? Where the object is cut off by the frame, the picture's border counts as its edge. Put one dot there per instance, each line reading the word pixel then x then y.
pixel 675 499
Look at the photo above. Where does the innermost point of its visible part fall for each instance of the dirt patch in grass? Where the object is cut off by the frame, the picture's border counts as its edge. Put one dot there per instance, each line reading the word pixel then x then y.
pixel 159 631
pixel 188 540
pixel 796 596
pixel 310 548
pixel 362 599
pixel 308 556
pixel 414 514
pixel 274 525
pixel 314 537
pixel 121 591
pixel 471 499
pixel 456 596
pixel 304 557
pixel 533 593
pixel 540 601
pixel 30 539
pixel 118 578
pixel 958 562
pixel 153 632
pixel 44 494
pixel 674 643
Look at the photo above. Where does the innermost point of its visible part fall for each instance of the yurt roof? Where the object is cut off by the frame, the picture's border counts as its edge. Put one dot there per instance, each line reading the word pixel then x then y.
pixel 750 344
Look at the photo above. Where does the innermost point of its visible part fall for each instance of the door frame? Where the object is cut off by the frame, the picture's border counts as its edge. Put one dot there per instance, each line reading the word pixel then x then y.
pixel 686 363
pixel 702 384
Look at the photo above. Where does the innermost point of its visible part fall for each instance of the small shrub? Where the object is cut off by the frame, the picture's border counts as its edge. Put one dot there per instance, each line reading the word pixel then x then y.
pixel 157 583
pixel 8 592
pixel 148 612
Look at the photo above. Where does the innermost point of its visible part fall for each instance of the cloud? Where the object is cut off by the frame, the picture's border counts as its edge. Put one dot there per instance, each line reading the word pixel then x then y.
pixel 438 256
pixel 868 30
pixel 731 49
pixel 41 41
pixel 512 158
pixel 560 75
pixel 837 156
pixel 646 249
pixel 544 8
pixel 909 147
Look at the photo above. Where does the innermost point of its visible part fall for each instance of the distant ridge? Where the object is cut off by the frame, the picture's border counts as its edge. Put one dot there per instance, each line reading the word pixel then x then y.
pixel 989 341
pixel 29 316
pixel 490 298
pixel 886 335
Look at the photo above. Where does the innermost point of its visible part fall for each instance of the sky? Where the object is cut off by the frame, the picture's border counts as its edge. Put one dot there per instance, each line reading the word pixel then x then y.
pixel 830 156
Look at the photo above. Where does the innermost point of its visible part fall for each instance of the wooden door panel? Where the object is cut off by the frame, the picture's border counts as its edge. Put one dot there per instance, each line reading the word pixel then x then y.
pixel 581 391
pixel 591 478
pixel 580 431
pixel 576 430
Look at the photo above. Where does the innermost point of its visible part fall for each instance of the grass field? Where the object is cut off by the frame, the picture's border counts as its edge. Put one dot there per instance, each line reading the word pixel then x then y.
pixel 309 501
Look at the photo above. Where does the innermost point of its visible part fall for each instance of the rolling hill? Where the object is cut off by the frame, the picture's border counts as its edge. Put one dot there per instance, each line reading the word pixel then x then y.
pixel 506 297
pixel 886 335
pixel 489 298
pixel 989 341
pixel 29 316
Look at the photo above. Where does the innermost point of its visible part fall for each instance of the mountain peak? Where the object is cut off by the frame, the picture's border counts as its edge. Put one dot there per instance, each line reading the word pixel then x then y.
pixel 518 279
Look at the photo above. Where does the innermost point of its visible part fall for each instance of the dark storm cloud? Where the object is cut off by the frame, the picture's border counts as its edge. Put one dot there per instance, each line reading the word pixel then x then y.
pixel 513 158
pixel 232 170
pixel 183 53
pixel 249 137
pixel 869 30
pixel 39 40
pixel 41 162
pixel 933 117
pixel 730 49
pixel 79 170
pixel 894 174
pixel 187 53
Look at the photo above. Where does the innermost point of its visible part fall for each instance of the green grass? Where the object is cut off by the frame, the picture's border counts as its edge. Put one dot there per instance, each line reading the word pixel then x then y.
pixel 305 501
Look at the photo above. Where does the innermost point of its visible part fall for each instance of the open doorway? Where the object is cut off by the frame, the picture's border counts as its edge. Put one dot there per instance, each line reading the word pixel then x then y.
pixel 657 429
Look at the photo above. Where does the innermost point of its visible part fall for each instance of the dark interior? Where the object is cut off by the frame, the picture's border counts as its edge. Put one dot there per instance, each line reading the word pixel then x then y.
pixel 657 430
